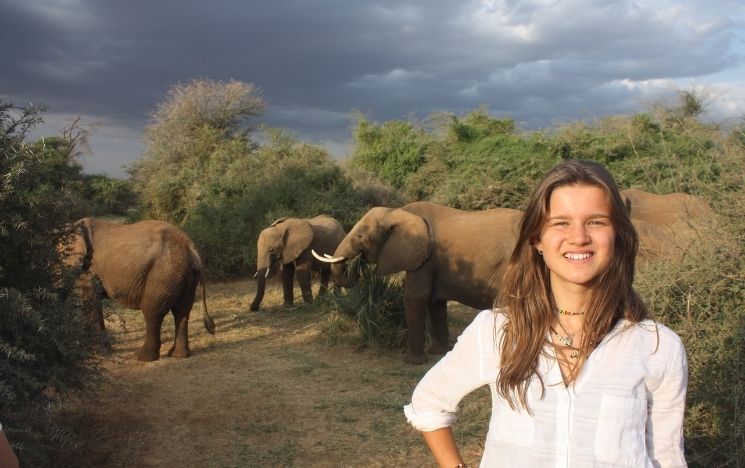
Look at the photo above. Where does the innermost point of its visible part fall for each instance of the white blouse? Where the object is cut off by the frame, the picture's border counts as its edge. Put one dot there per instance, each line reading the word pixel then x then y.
pixel 624 409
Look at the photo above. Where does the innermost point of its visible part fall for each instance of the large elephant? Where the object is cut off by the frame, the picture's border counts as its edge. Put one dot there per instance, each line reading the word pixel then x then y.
pixel 287 242
pixel 667 224
pixel 447 254
pixel 151 266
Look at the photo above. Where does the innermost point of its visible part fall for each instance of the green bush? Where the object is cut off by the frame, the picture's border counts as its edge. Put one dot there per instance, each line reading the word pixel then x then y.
pixel 46 346
pixel 109 196
pixel 281 178
pixel 393 150
pixel 375 304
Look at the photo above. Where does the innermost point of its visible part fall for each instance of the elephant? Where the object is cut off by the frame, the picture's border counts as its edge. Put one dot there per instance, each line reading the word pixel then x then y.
pixel 447 254
pixel 667 224
pixel 150 266
pixel 288 242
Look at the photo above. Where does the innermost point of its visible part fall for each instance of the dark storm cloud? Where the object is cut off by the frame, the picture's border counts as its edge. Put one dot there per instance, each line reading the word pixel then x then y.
pixel 317 61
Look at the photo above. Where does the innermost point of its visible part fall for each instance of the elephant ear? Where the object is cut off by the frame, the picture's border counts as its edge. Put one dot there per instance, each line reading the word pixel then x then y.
pixel 296 237
pixel 407 245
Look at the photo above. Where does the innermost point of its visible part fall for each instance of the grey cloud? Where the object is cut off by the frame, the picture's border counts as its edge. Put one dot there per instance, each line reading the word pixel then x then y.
pixel 318 61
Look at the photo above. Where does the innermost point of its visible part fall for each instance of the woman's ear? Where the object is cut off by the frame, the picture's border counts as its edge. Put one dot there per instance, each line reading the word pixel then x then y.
pixel 538 247
pixel 406 245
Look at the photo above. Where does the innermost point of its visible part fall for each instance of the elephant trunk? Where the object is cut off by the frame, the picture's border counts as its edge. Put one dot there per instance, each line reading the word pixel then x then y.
pixel 340 276
pixel 261 275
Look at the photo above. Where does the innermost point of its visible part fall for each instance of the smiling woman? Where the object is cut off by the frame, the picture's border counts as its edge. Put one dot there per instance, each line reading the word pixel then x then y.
pixel 578 374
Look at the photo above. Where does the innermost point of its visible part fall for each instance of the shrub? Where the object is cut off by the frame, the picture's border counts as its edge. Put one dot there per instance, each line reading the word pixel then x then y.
pixel 375 304
pixel 393 150
pixel 47 347
pixel 281 178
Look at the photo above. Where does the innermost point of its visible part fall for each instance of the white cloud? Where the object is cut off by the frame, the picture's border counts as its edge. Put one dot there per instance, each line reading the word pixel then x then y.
pixel 393 78
pixel 70 14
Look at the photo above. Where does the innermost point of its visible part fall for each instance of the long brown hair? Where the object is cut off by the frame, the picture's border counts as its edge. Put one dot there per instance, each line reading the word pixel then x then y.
pixel 526 291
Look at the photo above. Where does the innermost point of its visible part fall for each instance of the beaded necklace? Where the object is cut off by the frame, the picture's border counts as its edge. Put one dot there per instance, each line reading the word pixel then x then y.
pixel 566 312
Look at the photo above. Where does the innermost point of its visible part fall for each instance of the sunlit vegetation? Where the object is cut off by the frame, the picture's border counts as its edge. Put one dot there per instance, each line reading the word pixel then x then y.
pixel 211 169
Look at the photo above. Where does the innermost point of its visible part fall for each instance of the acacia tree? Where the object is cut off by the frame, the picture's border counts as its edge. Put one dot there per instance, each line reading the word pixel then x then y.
pixel 47 349
pixel 197 125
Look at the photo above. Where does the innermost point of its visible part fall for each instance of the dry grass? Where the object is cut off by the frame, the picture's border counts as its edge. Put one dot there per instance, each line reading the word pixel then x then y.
pixel 279 387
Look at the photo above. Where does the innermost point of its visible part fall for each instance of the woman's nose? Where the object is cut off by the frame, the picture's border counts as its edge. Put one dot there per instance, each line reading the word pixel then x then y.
pixel 578 235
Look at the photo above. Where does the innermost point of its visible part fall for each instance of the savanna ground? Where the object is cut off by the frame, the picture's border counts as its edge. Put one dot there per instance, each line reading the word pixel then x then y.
pixel 279 387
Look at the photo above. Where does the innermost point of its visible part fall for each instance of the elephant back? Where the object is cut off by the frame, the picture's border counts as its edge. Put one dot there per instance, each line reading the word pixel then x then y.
pixel 667 224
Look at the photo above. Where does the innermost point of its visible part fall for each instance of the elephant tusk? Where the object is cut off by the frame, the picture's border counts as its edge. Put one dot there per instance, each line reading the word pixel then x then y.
pixel 267 273
pixel 256 274
pixel 326 258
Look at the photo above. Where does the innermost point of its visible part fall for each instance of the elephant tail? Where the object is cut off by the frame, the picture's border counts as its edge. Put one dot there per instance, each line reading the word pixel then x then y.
pixel 209 324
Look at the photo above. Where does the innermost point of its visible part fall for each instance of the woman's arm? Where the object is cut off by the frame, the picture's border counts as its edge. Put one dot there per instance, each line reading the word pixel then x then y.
pixel 7 457
pixel 665 408
pixel 442 444
pixel 471 364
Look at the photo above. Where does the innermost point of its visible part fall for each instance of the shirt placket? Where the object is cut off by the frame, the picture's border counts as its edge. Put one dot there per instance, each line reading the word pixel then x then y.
pixel 563 426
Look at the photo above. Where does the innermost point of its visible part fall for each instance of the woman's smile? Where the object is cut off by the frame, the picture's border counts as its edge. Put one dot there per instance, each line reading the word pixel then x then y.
pixel 578 237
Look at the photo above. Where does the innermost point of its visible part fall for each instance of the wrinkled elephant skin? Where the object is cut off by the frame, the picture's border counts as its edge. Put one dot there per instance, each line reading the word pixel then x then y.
pixel 447 254
pixel 150 266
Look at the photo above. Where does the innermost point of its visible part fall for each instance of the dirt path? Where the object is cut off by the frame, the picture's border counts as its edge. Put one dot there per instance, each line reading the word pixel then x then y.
pixel 271 388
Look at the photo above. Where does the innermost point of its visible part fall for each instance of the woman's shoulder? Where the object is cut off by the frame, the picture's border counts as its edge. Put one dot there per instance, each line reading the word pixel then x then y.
pixel 657 335
pixel 491 317
pixel 487 324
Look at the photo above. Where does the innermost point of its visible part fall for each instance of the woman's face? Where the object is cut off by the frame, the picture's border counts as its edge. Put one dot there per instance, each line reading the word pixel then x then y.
pixel 578 237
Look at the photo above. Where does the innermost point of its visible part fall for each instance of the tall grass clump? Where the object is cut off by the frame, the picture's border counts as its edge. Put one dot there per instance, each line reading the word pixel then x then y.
pixel 375 304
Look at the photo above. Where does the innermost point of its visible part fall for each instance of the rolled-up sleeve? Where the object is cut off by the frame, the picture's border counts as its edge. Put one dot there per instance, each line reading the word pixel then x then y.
pixel 468 366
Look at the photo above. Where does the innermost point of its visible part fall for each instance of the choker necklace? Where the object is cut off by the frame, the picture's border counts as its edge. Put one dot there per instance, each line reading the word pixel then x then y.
pixel 566 312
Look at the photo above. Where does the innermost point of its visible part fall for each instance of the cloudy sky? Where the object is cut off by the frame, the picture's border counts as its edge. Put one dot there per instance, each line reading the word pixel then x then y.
pixel 537 61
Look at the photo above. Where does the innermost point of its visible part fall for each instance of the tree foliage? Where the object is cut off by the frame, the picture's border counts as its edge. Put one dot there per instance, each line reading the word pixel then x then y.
pixel 203 170
pixel 283 177
pixel 199 125
pixel 394 150
pixel 46 347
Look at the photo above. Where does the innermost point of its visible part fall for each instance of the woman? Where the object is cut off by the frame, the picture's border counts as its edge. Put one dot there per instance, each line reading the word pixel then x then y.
pixel 579 375
pixel 8 459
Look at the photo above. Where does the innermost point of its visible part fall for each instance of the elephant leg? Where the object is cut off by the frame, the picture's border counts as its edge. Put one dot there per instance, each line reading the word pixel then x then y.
pixel 302 273
pixel 416 310
pixel 325 274
pixel 180 348
pixel 417 291
pixel 438 318
pixel 288 277
pixel 150 350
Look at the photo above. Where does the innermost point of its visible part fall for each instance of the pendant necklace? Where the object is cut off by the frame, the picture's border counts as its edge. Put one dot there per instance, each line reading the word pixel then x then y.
pixel 567 340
